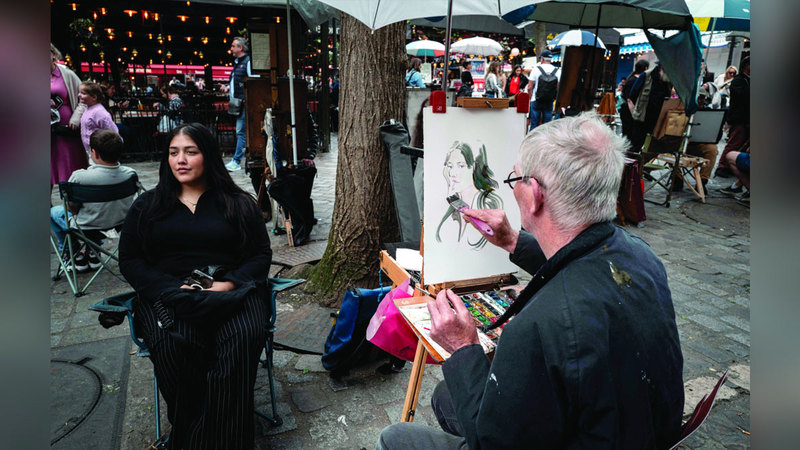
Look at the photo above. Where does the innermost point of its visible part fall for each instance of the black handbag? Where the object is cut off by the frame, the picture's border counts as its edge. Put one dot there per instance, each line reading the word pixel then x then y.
pixel 235 106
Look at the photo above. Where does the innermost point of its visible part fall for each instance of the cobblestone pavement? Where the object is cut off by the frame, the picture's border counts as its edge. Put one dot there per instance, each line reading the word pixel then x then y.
pixel 708 265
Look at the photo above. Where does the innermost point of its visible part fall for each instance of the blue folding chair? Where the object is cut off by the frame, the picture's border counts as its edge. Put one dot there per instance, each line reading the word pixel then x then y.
pixel 277 285
pixel 123 304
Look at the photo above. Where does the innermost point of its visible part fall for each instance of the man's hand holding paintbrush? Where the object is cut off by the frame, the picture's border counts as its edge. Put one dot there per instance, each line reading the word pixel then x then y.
pixel 504 236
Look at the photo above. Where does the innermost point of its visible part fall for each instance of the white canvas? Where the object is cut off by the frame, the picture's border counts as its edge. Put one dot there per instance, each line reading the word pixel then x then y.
pixel 453 250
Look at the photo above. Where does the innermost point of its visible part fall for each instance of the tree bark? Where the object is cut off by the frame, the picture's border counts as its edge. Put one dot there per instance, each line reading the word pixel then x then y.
pixel 539 38
pixel 372 91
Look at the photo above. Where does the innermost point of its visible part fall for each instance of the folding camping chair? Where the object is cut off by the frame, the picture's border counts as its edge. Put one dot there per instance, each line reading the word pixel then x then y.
pixel 121 306
pixel 664 153
pixel 76 236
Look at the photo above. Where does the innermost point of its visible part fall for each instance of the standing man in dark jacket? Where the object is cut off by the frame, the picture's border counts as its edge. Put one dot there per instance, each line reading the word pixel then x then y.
pixel 241 69
pixel 591 358
pixel 738 116
pixel 629 95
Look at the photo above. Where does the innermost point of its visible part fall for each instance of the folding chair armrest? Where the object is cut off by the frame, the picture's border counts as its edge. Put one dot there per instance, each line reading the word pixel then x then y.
pixel 282 284
pixel 122 303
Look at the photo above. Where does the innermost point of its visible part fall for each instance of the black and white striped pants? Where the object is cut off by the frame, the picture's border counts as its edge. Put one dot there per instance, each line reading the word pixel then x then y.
pixel 207 374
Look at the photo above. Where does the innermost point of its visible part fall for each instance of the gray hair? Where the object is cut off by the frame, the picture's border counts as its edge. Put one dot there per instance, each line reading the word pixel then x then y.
pixel 55 52
pixel 579 160
pixel 243 42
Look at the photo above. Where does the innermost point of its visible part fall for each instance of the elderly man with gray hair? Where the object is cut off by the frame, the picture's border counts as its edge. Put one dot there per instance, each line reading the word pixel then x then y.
pixel 592 356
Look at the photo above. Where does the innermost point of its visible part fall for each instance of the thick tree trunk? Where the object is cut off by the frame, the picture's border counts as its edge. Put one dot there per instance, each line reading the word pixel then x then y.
pixel 539 38
pixel 372 91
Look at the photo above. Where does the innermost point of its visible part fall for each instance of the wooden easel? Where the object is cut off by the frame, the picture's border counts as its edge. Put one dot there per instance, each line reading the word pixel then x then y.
pixel 398 275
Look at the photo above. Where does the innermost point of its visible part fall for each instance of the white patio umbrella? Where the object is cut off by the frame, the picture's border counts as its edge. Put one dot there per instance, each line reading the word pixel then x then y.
pixel 425 48
pixel 378 13
pixel 477 46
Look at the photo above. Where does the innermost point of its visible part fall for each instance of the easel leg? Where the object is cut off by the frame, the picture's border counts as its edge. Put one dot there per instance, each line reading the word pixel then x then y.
pixel 414 383
pixel 699 184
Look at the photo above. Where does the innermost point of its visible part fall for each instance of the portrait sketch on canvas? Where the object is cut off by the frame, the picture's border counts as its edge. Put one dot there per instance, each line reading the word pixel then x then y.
pixel 469 176
pixel 466 153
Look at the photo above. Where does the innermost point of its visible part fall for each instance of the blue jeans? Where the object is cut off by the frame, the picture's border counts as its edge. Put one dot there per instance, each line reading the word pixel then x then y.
pixel 241 140
pixel 536 113
pixel 58 224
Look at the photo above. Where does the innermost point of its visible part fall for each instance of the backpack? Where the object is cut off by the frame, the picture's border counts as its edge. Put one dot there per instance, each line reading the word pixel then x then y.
pixel 547 88
pixel 346 342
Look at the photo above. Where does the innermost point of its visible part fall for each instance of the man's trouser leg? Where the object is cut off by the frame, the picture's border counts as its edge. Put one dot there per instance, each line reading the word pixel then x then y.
pixel 547 113
pixel 58 224
pixel 536 115
pixel 737 136
pixel 241 140
pixel 410 436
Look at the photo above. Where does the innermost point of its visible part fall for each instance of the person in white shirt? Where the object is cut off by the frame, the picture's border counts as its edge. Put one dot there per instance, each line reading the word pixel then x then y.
pixel 542 99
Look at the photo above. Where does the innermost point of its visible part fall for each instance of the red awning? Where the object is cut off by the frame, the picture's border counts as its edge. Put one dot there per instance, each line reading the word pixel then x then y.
pixel 217 72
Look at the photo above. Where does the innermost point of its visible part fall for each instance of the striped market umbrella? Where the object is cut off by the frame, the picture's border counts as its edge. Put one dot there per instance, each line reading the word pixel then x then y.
pixel 720 15
pixel 575 38
pixel 425 48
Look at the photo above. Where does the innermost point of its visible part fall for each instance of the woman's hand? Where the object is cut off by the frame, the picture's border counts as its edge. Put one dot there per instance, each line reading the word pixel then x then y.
pixel 221 286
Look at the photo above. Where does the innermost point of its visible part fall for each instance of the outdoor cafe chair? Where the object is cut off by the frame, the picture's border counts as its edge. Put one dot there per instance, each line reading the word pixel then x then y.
pixel 76 236
pixel 113 311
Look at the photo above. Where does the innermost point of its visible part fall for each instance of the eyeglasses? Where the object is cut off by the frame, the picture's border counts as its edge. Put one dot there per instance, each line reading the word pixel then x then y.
pixel 512 180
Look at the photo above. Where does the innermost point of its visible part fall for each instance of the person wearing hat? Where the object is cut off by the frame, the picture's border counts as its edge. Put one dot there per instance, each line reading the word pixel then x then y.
pixel 543 86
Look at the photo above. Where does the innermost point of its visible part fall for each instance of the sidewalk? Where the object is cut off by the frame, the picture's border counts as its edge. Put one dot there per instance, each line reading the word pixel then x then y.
pixel 705 249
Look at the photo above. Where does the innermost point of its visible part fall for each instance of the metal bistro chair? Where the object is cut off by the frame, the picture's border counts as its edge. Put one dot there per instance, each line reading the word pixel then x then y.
pixel 72 193
pixel 122 304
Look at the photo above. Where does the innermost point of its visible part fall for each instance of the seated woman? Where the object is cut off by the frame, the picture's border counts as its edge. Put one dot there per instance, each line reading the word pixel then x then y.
pixel 204 343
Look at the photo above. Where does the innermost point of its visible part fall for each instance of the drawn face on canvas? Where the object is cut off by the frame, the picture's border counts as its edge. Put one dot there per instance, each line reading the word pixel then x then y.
pixel 457 172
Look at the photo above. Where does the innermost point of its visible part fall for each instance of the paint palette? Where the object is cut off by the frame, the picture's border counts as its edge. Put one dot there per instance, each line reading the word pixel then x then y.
pixel 486 307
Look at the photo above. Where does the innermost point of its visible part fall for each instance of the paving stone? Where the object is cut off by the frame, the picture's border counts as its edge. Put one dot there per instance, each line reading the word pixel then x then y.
pixel 395 413
pixel 703 308
pixel 326 431
pixel 736 322
pixel 311 363
pixel 709 322
pixel 308 400
pixel 261 387
pixel 295 378
pixel 741 338
pixel 282 358
pixel 57 325
pixel 696 388
pixel 84 319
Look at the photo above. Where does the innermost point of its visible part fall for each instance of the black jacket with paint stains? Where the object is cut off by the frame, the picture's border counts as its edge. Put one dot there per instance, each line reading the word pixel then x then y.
pixel 593 360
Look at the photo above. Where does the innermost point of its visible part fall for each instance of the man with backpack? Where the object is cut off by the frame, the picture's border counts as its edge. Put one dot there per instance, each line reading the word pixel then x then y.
pixel 543 86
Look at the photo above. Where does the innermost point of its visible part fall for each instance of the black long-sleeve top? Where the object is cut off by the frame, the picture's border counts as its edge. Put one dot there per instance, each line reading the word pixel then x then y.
pixel 183 241
pixel 593 360
pixel 739 111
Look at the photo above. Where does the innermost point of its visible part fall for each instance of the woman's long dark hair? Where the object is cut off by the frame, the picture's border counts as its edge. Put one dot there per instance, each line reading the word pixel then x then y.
pixel 482 179
pixel 238 204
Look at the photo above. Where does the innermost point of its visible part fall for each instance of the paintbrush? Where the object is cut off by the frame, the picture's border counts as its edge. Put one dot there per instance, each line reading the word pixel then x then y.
pixel 459 205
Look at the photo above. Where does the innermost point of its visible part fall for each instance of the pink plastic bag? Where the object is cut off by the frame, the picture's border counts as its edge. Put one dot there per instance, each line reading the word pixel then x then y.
pixel 389 330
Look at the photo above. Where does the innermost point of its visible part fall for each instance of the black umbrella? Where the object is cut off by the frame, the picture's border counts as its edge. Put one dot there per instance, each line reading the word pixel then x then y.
pixel 660 14
pixel 644 14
